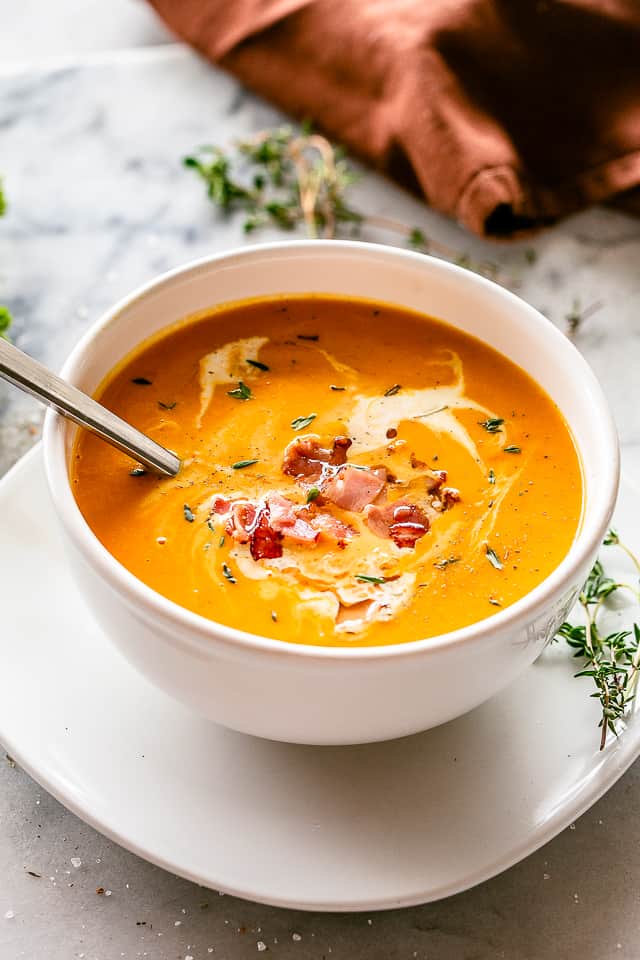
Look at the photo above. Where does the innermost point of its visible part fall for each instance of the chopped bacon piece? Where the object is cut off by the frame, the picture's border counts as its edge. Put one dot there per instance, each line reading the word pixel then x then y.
pixel 265 542
pixel 305 457
pixel 291 520
pixel 404 523
pixel 220 505
pixel 330 528
pixel 449 495
pixel 352 489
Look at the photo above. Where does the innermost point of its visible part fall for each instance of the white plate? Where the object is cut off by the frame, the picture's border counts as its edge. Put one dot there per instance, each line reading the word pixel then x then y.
pixel 319 828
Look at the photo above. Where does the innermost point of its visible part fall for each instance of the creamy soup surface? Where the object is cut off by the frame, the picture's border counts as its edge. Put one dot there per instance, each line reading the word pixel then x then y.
pixel 354 473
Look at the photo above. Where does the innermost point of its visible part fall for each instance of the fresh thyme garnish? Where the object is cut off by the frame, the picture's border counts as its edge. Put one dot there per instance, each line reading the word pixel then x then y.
pixel 366 579
pixel 241 392
pixel 137 472
pixel 492 477
pixel 300 423
pixel 391 392
pixel 492 424
pixel 446 562
pixel 494 602
pixel 611 660
pixel 313 494
pixel 512 449
pixel 257 364
pixel 211 526
pixel 167 406
pixel 221 541
pixel 227 573
pixel 241 464
pixel 141 381
pixel 493 558
pixel 286 178
pixel 332 386
pixel 308 336
pixel 189 515
pixel 274 616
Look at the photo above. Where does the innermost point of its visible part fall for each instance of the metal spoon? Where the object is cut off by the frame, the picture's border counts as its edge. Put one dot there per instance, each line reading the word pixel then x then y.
pixel 34 378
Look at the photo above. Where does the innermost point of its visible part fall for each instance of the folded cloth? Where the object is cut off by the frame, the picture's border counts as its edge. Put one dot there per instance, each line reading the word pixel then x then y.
pixel 505 114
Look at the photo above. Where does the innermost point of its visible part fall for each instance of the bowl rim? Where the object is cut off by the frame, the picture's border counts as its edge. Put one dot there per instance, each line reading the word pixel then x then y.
pixel 146 600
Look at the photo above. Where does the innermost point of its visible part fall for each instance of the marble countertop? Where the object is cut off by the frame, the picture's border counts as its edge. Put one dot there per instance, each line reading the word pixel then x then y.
pixel 99 203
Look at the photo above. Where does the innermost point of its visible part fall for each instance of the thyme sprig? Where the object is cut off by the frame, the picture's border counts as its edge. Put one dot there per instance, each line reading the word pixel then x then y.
pixel 287 178
pixel 612 660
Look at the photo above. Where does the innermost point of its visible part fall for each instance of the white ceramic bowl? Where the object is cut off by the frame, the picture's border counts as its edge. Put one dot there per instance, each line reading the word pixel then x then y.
pixel 327 695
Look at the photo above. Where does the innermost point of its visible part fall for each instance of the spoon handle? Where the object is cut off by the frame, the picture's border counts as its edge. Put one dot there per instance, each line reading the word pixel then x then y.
pixel 33 378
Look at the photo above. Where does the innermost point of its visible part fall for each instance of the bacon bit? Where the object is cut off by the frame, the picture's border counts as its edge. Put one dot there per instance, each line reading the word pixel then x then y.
pixel 265 542
pixel 449 496
pixel 392 433
pixel 220 505
pixel 353 489
pixel 305 457
pixel 405 523
pixel 415 463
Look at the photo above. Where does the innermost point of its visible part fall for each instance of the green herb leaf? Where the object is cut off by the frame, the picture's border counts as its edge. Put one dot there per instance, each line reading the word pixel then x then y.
pixel 5 321
pixel 188 513
pixel 137 472
pixel 167 406
pixel 309 336
pixel 227 573
pixel 211 526
pixel 257 364
pixel 391 392
pixel 417 238
pixel 141 381
pixel 492 424
pixel 221 541
pixel 611 539
pixel 491 477
pixel 494 602
pixel 301 423
pixel 241 464
pixel 313 494
pixel 333 387
pixel 366 579
pixel 241 392
pixel 512 449
pixel 441 564
pixel 493 558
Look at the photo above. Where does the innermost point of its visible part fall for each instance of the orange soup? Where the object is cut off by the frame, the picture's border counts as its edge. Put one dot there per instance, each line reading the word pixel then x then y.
pixel 354 473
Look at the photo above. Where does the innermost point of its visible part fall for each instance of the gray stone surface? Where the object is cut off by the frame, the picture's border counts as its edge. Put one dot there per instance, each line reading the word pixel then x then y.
pixel 100 203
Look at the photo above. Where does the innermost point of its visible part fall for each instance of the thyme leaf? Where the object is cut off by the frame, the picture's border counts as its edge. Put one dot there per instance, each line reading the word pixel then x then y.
pixel 141 381
pixel 167 406
pixel 492 424
pixel 241 392
pixel 365 579
pixel 227 573
pixel 446 562
pixel 512 448
pixel 189 515
pixel 241 464
pixel 301 423
pixel 493 558
pixel 137 472
pixel 391 392
pixel 257 364
pixel 491 477
pixel 313 494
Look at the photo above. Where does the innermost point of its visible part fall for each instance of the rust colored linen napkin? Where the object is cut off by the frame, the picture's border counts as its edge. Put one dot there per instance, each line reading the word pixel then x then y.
pixel 505 114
